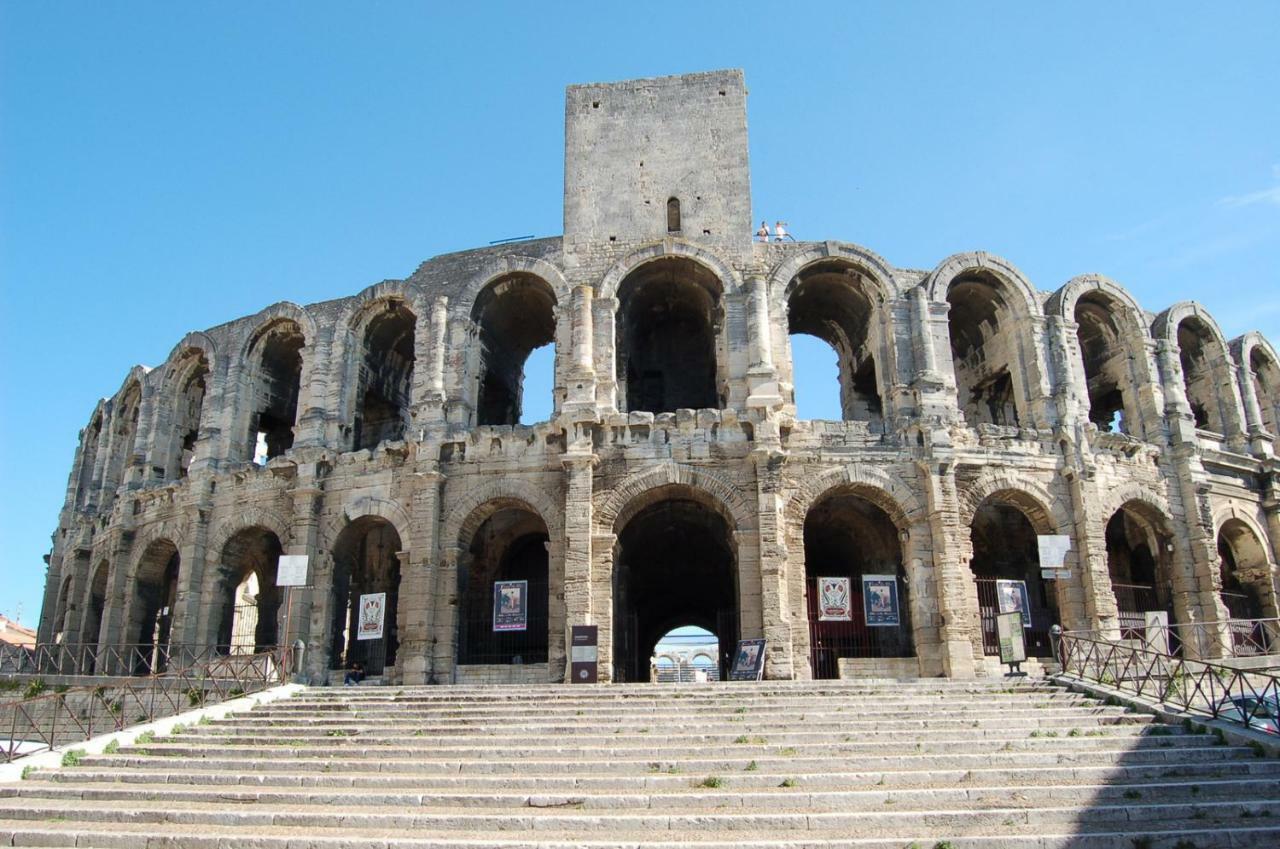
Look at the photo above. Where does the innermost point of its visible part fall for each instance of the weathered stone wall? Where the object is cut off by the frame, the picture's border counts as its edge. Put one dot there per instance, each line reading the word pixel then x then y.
pixel 143 480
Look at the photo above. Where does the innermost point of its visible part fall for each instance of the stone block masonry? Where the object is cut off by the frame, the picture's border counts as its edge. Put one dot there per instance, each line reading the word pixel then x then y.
pixel 674 484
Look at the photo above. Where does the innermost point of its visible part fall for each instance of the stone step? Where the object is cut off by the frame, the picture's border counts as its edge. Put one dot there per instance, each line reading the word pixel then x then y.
pixel 657 776
pixel 896 818
pixel 612 761
pixel 932 740
pixel 62 835
pixel 736 791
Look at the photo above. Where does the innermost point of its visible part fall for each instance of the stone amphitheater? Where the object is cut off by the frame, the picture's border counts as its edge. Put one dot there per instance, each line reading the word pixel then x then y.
pixel 673 484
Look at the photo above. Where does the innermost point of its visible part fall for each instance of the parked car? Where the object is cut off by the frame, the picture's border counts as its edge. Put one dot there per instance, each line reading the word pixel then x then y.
pixel 1263 712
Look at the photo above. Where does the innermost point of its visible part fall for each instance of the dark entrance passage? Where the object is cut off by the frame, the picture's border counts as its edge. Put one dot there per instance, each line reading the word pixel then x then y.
pixel 846 536
pixel 364 563
pixel 675 565
pixel 1004 548
pixel 510 545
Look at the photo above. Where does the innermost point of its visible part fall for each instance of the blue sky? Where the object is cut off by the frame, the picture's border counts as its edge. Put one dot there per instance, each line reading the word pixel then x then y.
pixel 168 167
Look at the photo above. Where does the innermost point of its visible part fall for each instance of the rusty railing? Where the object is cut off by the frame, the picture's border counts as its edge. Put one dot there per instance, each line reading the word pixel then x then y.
pixel 41 722
pixel 1187 684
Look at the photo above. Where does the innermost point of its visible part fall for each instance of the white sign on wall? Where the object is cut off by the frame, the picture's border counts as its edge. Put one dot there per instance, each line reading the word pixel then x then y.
pixel 291 570
pixel 1053 549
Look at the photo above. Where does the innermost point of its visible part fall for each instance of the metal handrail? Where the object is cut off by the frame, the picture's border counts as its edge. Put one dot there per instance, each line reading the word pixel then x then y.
pixel 1189 685
pixel 94 659
pixel 1219 638
pixel 79 713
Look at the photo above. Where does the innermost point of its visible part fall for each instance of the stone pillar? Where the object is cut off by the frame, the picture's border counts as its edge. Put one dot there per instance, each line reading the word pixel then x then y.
pixel 1260 442
pixel 581 394
pixel 304 539
pixel 432 406
pixel 601 595
pixel 1089 547
pixel 190 600
pixel 604 353
pixel 578 524
pixel 446 614
pixel 1177 410
pixel 102 454
pixel 774 601
pixel 415 617
pixel 49 607
pixel 135 471
pixel 959 633
pixel 112 631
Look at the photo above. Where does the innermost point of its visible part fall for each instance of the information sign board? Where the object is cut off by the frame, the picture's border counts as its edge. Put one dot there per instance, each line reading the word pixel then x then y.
pixel 1013 649
pixel 584 654
pixel 291 570
pixel 834 601
pixel 510 605
pixel 1011 596
pixel 748 661
pixel 373 613
pixel 880 600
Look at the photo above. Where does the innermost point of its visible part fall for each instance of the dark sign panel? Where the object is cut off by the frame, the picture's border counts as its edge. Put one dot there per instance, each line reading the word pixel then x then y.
pixel 583 654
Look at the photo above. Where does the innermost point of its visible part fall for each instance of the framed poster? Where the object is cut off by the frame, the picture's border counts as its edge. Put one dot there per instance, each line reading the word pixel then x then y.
pixel 835 604
pixel 880 600
pixel 510 605
pixel 748 661
pixel 1012 596
pixel 373 612
pixel 1013 648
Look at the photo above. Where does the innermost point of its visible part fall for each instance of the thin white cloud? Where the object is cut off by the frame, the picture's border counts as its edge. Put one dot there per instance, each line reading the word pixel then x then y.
pixel 1271 196
pixel 1266 196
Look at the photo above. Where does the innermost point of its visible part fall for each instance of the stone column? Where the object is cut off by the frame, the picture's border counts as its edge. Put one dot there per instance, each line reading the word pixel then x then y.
pixel 578 520
pixel 1259 440
pixel 190 600
pixel 304 539
pixel 774 601
pixel 1089 546
pixel 446 614
pixel 415 617
pixel 112 631
pixel 581 394
pixel 959 633
pixel 604 353
pixel 431 414
pixel 601 594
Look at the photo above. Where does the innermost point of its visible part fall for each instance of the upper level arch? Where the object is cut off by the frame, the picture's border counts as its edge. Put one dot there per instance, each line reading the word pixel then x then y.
pixel 721 270
pixel 514 314
pixel 876 273
pixel 996 355
pixel 841 302
pixel 270 383
pixel 1208 370
pixel 490 272
pixel 1260 375
pixel 187 379
pixel 1112 337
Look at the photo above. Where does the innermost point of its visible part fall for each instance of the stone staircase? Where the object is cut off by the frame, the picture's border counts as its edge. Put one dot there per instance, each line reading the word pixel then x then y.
pixel 880 765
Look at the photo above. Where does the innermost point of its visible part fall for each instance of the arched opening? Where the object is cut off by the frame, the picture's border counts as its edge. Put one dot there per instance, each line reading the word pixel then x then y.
pixel 673 215
pixel 515 316
pixel 386 376
pixel 250 597
pixel 1245 571
pixel 188 390
pixel 674 564
pixel 1106 364
pixel 1199 352
pixel 503 589
pixel 686 654
pixel 848 537
pixel 88 460
pixel 91 625
pixel 365 562
pixel 125 431
pixel 1266 385
pixel 983 347
pixel 832 301
pixel 58 625
pixel 669 314
pixel 275 379
pixel 1137 548
pixel 1004 550
pixel 155 594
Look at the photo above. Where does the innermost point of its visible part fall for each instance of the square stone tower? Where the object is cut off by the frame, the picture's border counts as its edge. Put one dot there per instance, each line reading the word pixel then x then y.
pixel 645 159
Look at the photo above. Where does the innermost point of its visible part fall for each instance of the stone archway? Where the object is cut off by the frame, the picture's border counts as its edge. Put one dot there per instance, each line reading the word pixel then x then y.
pixel 675 563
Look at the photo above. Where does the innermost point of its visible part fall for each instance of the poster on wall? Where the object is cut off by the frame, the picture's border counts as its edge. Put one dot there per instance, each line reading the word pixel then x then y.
pixel 373 612
pixel 835 603
pixel 510 605
pixel 880 600
pixel 1011 596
